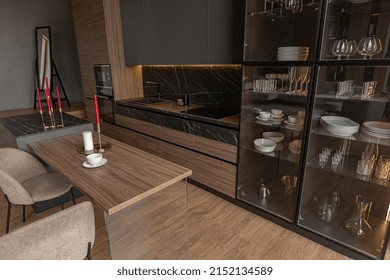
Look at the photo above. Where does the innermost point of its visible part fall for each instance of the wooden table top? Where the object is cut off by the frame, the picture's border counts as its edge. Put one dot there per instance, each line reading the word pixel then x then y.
pixel 129 175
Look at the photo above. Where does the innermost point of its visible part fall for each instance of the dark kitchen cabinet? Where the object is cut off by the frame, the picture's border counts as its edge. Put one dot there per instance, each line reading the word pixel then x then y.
pixel 182 31
pixel 327 61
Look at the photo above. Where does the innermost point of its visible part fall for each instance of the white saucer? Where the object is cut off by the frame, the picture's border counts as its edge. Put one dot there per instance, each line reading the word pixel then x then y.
pixel 267 119
pixel 278 116
pixel 87 165
pixel 290 123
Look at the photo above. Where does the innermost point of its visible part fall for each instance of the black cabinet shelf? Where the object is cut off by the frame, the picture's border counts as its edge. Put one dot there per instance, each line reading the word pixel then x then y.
pixel 347 168
pixel 281 152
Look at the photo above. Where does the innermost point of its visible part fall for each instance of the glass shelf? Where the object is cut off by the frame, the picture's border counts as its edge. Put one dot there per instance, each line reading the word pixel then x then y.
pixel 281 152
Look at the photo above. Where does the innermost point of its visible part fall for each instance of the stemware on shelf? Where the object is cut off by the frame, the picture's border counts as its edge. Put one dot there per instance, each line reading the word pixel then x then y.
pixel 369 46
pixel 351 48
pixel 340 48
pixel 303 73
pixel 272 7
pixel 281 3
pixel 265 11
pixel 292 72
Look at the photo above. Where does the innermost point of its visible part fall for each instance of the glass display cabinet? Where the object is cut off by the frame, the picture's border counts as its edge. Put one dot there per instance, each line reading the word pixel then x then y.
pixel 345 194
pixel 279 57
pixel 314 147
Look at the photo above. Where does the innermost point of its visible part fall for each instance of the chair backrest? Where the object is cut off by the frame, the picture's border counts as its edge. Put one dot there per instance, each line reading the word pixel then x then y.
pixel 20 164
pixel 16 167
pixel 62 236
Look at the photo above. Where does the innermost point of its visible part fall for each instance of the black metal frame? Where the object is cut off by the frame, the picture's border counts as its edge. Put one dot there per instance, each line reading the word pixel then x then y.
pixel 53 71
pixel 9 204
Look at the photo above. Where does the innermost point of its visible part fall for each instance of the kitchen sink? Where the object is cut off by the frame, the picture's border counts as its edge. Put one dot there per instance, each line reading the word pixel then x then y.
pixel 147 100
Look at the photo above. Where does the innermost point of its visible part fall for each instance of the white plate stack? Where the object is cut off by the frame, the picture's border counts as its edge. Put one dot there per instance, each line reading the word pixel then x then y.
pixel 292 53
pixel 339 126
pixel 377 129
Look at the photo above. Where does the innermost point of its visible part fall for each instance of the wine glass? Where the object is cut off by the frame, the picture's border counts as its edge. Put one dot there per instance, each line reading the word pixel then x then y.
pixel 280 2
pixel 303 73
pixel 351 48
pixel 272 7
pixel 265 11
pixel 298 7
pixel 369 46
pixel 339 48
pixel 292 73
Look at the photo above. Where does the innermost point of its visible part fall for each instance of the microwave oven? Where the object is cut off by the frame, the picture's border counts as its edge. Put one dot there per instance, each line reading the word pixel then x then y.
pixel 103 79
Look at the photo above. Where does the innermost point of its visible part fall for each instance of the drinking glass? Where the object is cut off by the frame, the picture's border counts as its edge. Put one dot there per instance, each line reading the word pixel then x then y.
pixel 272 7
pixel 292 72
pixel 340 48
pixel 382 168
pixel 304 73
pixel 369 46
pixel 351 48
pixel 280 2
pixel 265 11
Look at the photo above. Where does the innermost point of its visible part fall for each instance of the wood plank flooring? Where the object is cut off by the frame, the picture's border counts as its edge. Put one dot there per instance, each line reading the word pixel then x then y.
pixel 217 230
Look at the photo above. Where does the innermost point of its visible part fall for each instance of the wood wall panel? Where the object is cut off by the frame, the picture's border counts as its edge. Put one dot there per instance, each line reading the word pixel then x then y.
pixel 216 174
pixel 88 16
pixel 127 81
pixel 99 41
pixel 215 148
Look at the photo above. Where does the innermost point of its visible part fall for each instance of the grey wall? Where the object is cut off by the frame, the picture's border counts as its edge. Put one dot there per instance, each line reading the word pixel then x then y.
pixel 18 19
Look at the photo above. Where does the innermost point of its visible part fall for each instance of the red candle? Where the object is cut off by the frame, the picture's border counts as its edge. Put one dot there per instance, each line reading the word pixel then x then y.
pixel 39 99
pixel 58 98
pixel 96 109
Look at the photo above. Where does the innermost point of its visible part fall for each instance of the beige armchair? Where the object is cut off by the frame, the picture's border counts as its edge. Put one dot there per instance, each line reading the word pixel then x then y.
pixel 24 180
pixel 65 235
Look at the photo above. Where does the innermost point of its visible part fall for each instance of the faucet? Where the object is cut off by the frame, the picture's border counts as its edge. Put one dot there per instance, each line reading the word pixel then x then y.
pixel 158 88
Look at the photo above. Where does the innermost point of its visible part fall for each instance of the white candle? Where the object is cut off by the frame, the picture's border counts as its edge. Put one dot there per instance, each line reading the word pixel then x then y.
pixel 88 142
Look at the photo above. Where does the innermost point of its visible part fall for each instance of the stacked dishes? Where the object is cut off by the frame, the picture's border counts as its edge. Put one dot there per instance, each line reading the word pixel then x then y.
pixel 292 53
pixel 377 129
pixel 339 126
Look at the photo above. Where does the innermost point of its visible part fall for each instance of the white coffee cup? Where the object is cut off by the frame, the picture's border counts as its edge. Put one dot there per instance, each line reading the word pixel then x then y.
pixel 276 112
pixel 265 115
pixel 293 118
pixel 94 159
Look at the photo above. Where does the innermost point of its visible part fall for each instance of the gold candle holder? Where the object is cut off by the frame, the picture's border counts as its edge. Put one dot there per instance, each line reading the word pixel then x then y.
pixel 100 149
pixel 45 127
pixel 62 118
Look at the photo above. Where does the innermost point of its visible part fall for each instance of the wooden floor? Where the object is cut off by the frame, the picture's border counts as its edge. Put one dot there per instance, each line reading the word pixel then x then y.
pixel 217 230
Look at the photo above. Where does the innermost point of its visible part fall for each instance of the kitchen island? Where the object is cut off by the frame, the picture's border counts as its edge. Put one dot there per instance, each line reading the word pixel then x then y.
pixel 143 196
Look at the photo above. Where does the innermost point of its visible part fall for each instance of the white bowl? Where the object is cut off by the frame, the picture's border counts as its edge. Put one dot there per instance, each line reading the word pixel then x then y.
pixel 264 145
pixel 94 159
pixel 274 136
pixel 295 146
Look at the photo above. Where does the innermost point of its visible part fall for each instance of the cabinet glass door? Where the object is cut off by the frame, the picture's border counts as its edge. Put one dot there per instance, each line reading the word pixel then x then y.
pixel 272 128
pixel 345 194
pixel 287 24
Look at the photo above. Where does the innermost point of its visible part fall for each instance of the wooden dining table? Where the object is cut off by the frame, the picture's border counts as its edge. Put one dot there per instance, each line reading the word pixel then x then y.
pixel 143 196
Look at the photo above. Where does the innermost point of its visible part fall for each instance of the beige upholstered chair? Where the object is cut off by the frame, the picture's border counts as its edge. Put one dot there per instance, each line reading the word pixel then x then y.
pixel 25 180
pixel 65 235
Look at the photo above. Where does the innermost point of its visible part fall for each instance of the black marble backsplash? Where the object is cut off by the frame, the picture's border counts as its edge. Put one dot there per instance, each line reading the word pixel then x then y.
pixel 210 85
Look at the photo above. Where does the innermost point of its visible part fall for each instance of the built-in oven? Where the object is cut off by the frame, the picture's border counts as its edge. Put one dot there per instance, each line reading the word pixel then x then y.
pixel 104 92
pixel 103 79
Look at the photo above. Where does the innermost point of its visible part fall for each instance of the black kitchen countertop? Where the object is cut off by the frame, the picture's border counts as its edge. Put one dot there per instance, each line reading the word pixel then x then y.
pixel 30 124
